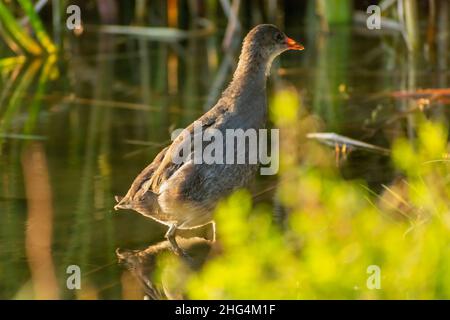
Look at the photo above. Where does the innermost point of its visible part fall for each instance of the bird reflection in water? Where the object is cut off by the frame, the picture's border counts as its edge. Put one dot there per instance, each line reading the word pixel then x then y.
pixel 143 264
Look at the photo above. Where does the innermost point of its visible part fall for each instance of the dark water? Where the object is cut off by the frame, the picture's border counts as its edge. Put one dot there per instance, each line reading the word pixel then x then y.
pixel 76 131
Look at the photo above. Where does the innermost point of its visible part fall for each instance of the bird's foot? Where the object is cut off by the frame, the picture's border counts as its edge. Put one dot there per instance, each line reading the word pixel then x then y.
pixel 170 236
pixel 179 251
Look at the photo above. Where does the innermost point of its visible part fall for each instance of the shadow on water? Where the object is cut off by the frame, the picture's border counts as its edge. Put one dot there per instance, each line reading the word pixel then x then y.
pixel 143 264
pixel 77 128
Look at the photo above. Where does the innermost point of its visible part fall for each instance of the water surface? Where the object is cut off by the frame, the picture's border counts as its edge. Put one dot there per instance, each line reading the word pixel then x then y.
pixel 76 130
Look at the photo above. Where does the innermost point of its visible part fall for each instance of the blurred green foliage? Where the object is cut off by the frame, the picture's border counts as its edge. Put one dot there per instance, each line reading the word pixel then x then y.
pixel 17 34
pixel 38 26
pixel 336 230
pixel 335 12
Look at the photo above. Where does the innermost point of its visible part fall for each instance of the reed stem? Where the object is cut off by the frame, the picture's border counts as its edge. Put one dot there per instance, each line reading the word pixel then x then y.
pixel 38 27
pixel 411 24
pixel 17 33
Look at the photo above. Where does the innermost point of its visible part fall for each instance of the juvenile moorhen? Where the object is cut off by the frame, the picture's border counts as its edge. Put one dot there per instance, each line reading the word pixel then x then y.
pixel 183 196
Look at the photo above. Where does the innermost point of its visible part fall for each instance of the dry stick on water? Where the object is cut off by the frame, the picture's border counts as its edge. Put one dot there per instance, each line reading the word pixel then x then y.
pixel 423 97
pixel 157 33
pixel 423 93
pixel 333 139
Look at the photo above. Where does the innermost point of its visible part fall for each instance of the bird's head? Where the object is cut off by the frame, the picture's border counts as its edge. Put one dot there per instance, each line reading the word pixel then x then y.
pixel 264 43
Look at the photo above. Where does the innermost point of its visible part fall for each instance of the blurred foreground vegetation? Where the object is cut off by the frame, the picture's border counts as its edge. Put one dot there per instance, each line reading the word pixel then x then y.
pixel 335 230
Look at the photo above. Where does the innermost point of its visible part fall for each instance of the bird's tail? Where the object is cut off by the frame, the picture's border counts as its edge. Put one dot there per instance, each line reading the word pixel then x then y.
pixel 122 203
pixel 145 204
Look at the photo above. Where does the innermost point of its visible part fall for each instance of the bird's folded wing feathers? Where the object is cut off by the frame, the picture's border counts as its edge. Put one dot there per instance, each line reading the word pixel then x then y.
pixel 167 166
pixel 142 178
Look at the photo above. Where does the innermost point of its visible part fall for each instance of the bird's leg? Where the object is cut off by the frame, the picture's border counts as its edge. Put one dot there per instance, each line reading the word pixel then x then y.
pixel 213 224
pixel 170 236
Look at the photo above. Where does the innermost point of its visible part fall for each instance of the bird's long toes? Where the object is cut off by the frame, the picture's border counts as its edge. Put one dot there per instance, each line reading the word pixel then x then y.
pixel 181 253
pixel 186 257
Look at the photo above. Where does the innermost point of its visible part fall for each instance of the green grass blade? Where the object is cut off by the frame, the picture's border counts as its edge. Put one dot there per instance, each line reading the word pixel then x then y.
pixel 37 25
pixel 7 63
pixel 16 31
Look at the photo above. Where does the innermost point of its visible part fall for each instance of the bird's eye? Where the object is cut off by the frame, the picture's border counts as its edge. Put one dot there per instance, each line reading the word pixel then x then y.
pixel 279 37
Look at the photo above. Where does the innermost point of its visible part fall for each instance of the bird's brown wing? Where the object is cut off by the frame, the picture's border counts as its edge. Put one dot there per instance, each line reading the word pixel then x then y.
pixel 167 166
pixel 140 180
pixel 148 172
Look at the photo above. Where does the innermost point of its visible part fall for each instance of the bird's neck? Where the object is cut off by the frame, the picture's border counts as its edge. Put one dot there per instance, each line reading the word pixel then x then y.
pixel 249 79
pixel 252 67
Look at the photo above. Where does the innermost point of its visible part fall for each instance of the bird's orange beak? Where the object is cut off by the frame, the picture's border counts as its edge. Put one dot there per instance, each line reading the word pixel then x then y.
pixel 294 45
